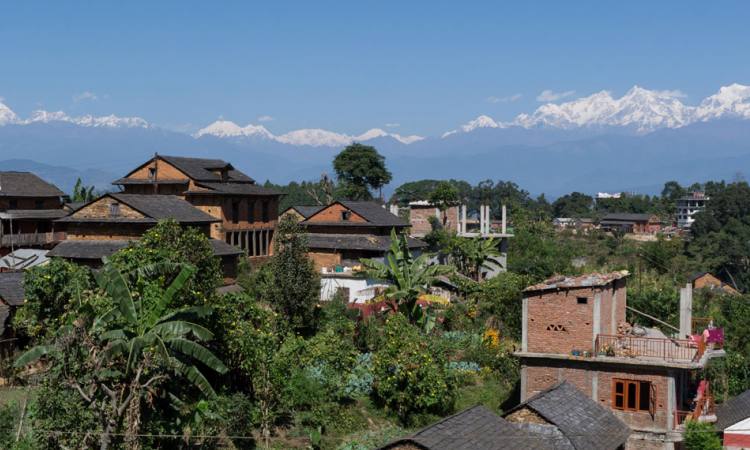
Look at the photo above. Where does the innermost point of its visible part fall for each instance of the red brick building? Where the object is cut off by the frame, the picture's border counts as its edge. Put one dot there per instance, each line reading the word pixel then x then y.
pixel 631 223
pixel 420 213
pixel 575 330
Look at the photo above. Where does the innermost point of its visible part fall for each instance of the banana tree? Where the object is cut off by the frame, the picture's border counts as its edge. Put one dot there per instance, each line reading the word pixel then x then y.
pixel 131 350
pixel 408 277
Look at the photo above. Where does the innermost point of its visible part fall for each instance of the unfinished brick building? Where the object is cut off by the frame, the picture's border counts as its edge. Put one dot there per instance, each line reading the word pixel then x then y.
pixel 575 329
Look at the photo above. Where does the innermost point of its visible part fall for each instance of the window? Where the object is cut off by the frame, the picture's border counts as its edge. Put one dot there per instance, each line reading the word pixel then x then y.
pixel 556 327
pixel 633 395
pixel 251 211
pixel 235 212
pixel 114 209
pixel 152 172
pixel 264 211
pixel 39 204
pixel 346 215
pixel 13 204
pixel 583 300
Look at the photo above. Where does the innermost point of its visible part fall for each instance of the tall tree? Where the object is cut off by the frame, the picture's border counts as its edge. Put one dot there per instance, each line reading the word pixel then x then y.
pixel 359 169
pixel 443 197
pixel 82 193
pixel 292 287
pixel 575 204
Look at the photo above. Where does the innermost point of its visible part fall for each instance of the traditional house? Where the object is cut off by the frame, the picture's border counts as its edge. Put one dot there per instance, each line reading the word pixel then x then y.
pixel 476 428
pixel 706 280
pixel 580 421
pixel 343 232
pixel 28 206
pixel 112 221
pixel 247 213
pixel 559 418
pixel 631 223
pixel 574 329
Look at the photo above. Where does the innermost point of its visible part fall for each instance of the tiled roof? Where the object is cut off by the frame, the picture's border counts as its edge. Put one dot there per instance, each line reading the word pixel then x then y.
pixel 11 288
pixel 375 213
pixel 587 280
pixel 476 428
pixel 87 249
pixel 221 248
pixel 155 208
pixel 199 169
pixel 355 242
pixel 306 211
pixel 234 189
pixel 33 214
pixel 26 184
pixel 734 410
pixel 586 424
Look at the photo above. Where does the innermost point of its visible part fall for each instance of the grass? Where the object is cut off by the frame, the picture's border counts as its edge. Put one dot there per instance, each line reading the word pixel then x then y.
pixel 15 394
pixel 488 391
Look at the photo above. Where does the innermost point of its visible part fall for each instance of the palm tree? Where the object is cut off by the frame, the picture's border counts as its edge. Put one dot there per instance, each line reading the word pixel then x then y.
pixel 408 277
pixel 130 350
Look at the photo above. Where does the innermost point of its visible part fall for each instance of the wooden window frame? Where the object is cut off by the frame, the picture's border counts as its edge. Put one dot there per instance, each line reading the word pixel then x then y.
pixel 636 386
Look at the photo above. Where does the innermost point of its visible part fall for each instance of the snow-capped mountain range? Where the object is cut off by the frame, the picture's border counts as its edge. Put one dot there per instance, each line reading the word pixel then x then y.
pixel 310 136
pixel 640 109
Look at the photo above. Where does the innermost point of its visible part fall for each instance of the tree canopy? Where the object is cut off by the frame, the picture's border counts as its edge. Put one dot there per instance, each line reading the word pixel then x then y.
pixel 360 169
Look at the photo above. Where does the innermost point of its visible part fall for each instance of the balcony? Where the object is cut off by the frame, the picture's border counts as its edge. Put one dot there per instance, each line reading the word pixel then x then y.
pixel 31 239
pixel 647 348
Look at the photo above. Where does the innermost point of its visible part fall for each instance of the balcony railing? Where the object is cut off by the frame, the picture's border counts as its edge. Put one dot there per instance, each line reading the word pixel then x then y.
pixel 643 347
pixel 30 239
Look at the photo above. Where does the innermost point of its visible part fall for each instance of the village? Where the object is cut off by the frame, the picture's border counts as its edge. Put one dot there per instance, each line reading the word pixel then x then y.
pixel 324 307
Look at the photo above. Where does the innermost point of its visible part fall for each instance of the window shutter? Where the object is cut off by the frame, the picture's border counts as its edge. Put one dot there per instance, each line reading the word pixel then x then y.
pixel 652 400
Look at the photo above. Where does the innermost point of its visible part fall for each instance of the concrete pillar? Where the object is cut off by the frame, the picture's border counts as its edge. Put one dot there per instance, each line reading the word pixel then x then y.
pixel 523 383
pixel 613 318
pixel 525 325
pixel 686 311
pixel 595 386
pixel 597 318
pixel 671 396
pixel 463 219
pixel 504 219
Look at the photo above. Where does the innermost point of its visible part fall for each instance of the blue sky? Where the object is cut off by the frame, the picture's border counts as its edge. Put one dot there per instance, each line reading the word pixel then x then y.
pixel 353 65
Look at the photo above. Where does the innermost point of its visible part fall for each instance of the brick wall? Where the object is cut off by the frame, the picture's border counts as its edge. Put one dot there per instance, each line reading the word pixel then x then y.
pixel 324 259
pixel 541 374
pixel 100 209
pixel 332 213
pixel 419 218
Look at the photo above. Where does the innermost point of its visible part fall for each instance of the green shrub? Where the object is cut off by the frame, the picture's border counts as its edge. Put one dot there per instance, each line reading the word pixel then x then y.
pixel 701 436
pixel 410 377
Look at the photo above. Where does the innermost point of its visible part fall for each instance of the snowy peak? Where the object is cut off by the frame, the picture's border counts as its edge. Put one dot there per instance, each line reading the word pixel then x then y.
pixel 480 122
pixel 226 128
pixel 641 109
pixel 7 115
pixel 730 101
pixel 313 137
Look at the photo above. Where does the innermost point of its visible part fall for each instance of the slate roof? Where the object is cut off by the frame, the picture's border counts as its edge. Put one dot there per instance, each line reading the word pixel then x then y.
pixel 17 214
pixel 586 424
pixel 234 189
pixel 476 428
pixel 587 280
pixel 626 217
pixel 199 169
pixel 221 248
pixel 373 212
pixel 11 288
pixel 734 410
pixel 304 210
pixel 87 249
pixel 355 242
pixel 26 184
pixel 95 250
pixel 155 208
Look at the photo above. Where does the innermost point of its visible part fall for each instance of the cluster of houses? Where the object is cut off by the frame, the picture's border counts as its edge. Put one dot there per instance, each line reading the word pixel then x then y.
pixel 640 224
pixel 589 379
